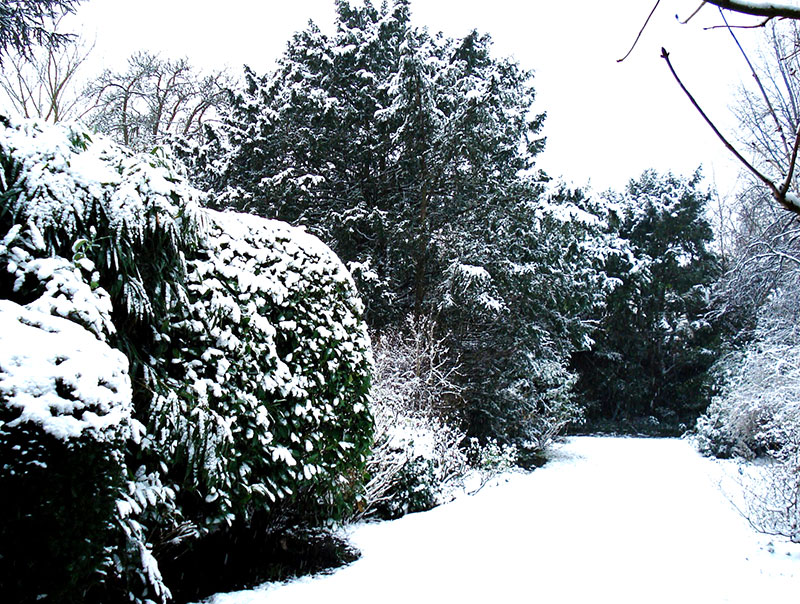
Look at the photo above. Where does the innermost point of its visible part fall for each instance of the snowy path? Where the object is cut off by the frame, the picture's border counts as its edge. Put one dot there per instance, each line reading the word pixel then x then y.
pixel 610 520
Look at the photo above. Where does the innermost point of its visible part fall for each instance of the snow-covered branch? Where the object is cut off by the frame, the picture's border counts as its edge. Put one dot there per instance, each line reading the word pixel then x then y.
pixel 771 10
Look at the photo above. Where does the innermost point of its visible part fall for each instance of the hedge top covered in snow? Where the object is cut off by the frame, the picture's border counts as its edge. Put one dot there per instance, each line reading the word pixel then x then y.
pixel 276 360
pixel 65 179
pixel 133 215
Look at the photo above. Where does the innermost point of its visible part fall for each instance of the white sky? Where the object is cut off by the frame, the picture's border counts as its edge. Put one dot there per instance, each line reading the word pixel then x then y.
pixel 607 122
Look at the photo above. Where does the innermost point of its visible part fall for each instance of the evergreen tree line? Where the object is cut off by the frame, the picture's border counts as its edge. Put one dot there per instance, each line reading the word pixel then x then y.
pixel 413 155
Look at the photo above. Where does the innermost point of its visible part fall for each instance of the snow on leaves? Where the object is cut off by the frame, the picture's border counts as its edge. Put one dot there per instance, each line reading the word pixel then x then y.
pixel 272 350
pixel 64 177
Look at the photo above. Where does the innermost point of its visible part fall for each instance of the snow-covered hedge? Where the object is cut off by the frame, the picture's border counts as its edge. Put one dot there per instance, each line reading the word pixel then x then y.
pixel 268 371
pixel 58 376
pixel 65 405
pixel 248 360
pixel 758 408
pixel 65 415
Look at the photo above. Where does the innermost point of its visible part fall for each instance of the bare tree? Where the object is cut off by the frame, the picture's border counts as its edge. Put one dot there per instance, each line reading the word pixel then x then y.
pixel 764 243
pixel 43 81
pixel 756 413
pixel 770 114
pixel 155 99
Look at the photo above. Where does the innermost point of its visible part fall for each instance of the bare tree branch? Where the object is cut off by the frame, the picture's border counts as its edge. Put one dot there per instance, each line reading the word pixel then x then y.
pixel 41 82
pixel 792 163
pixel 758 25
pixel 786 199
pixel 753 72
pixel 697 10
pixel 641 31
pixel 155 99
pixel 728 145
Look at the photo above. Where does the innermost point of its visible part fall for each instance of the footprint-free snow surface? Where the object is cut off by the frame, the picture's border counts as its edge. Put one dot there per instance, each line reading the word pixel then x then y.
pixel 608 520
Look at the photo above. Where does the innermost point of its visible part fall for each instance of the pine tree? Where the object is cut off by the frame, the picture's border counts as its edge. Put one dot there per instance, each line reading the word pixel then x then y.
pixel 520 292
pixel 376 138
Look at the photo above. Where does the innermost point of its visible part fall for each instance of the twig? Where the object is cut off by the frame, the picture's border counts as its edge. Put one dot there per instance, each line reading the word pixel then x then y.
pixel 697 10
pixel 758 82
pixel 726 26
pixel 788 182
pixel 641 31
pixel 780 195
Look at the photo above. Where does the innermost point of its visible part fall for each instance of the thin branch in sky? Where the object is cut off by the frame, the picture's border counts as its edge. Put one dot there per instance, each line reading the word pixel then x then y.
pixel 782 195
pixel 792 163
pixel 728 145
pixel 697 10
pixel 641 31
pixel 754 73
pixel 754 26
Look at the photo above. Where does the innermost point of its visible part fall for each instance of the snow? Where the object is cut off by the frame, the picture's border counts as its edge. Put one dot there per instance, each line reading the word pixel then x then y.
pixel 67 295
pixel 59 376
pixel 477 273
pixel 607 520
pixel 759 8
pixel 66 174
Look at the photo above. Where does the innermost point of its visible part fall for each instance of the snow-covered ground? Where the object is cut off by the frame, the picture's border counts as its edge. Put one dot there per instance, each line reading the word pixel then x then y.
pixel 608 520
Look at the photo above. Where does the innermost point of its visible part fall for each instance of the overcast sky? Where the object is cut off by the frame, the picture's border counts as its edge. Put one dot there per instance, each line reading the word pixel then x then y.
pixel 607 121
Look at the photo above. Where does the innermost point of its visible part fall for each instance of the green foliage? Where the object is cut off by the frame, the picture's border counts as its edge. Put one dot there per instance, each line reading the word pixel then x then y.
pixel 519 306
pixel 413 490
pixel 378 139
pixel 268 373
pixel 24 23
pixel 57 510
pixel 492 457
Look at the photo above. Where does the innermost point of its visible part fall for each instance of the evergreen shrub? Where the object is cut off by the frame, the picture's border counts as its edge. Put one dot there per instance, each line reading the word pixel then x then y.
pixel 203 368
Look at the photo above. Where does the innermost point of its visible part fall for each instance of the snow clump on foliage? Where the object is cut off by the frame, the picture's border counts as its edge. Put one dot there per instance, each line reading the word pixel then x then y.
pixel 268 374
pixel 58 376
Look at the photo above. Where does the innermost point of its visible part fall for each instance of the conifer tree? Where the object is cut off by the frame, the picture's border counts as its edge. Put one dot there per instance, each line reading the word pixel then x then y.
pixel 413 156
pixel 655 343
